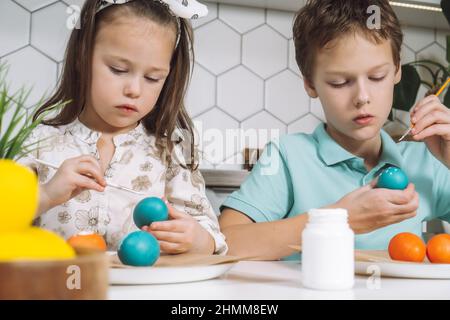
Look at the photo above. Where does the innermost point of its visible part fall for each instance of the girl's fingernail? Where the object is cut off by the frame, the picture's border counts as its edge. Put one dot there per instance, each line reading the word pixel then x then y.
pixel 414 119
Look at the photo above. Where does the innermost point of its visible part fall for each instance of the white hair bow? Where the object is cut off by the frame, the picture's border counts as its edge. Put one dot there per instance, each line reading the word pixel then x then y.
pixel 187 9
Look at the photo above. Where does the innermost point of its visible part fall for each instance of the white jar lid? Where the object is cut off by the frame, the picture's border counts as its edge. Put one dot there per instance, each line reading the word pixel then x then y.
pixel 328 215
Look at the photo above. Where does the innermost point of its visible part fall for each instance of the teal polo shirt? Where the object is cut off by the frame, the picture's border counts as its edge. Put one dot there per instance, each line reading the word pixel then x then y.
pixel 303 171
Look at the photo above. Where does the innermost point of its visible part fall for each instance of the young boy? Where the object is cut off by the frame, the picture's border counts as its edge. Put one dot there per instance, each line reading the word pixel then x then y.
pixel 352 69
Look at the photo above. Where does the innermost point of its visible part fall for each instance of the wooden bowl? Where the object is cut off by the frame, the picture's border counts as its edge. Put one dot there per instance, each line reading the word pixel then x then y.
pixel 85 277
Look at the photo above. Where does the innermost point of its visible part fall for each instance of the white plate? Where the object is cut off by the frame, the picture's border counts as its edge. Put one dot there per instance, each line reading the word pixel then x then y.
pixel 163 275
pixel 403 270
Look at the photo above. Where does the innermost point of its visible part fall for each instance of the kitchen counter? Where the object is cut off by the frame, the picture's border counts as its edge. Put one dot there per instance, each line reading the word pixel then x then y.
pixel 280 280
pixel 224 178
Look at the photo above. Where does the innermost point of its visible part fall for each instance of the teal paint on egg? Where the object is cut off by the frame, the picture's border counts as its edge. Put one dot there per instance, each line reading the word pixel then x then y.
pixel 393 178
pixel 149 210
pixel 139 249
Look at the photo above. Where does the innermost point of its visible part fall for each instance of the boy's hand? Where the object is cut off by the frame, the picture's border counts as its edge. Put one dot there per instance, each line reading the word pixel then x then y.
pixel 73 176
pixel 182 233
pixel 431 120
pixel 371 208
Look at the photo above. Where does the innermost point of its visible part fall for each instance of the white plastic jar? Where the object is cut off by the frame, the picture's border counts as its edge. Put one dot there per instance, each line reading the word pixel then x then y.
pixel 328 251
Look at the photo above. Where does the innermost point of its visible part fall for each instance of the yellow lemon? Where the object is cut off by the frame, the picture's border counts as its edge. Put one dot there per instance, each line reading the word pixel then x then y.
pixel 18 196
pixel 33 244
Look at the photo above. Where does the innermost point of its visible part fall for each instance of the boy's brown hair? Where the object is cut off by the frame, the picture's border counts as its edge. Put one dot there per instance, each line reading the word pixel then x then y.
pixel 321 21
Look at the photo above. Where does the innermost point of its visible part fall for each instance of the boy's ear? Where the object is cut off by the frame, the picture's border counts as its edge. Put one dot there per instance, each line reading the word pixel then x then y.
pixel 398 75
pixel 309 87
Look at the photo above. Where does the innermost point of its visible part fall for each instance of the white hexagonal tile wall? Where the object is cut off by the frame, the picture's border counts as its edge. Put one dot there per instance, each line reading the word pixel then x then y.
pixel 317 109
pixel 417 38
pixel 78 3
pixel 307 124
pixel 240 92
pixel 217 47
pixel 286 97
pixel 32 70
pixel 204 163
pixel 17 20
pixel 433 52
pixel 407 55
pixel 49 30
pixel 264 51
pixel 242 19
pixel 33 5
pixel 213 127
pixel 265 128
pixel 441 38
pixel 60 69
pixel 235 162
pixel 281 21
pixel 212 14
pixel 201 93
pixel 292 61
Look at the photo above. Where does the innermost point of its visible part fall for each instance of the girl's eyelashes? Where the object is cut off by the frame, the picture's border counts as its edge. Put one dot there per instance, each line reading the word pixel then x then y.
pixel 152 79
pixel 121 71
pixel 117 71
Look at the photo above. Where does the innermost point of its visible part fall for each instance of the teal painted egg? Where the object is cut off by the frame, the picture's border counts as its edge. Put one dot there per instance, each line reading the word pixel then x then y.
pixel 393 178
pixel 139 249
pixel 149 210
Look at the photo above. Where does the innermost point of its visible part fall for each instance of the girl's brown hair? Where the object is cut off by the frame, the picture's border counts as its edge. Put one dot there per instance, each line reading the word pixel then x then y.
pixel 321 21
pixel 169 114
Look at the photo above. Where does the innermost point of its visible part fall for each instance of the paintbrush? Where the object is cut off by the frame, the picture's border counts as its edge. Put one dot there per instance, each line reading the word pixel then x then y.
pixel 437 95
pixel 109 184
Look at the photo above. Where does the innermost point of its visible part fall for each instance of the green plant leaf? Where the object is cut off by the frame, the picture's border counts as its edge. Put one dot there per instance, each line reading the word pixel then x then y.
pixel 14 133
pixel 441 79
pixel 447 99
pixel 448 48
pixel 445 5
pixel 391 115
pixel 426 64
pixel 405 92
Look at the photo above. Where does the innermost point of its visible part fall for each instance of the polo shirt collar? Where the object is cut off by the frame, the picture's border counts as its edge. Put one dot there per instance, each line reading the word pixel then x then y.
pixel 332 153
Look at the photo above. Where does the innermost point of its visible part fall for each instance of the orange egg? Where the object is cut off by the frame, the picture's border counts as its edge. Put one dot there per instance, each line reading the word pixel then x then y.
pixel 88 241
pixel 407 247
pixel 438 249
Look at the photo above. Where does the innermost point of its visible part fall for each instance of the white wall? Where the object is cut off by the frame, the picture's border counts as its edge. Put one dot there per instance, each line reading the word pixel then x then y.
pixel 245 75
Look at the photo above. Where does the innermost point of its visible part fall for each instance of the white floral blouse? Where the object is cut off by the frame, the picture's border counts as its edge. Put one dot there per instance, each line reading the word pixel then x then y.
pixel 135 165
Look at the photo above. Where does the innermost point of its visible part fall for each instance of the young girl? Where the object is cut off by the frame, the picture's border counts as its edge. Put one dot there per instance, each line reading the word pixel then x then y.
pixel 125 77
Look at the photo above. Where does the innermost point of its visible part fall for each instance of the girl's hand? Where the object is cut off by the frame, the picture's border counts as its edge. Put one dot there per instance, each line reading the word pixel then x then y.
pixel 182 233
pixel 73 176
pixel 431 121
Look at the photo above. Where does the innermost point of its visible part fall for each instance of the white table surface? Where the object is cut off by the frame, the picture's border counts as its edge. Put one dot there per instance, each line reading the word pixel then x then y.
pixel 280 280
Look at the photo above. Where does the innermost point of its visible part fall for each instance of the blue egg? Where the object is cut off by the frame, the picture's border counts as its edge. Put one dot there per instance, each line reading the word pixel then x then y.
pixel 139 249
pixel 393 178
pixel 149 210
